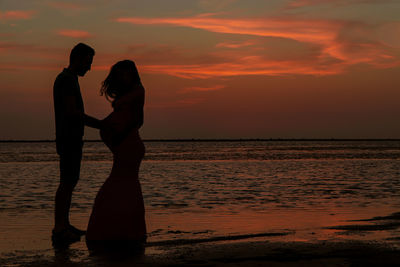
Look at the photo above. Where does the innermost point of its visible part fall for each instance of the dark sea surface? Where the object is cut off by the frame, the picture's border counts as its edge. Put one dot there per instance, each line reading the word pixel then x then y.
pixel 212 189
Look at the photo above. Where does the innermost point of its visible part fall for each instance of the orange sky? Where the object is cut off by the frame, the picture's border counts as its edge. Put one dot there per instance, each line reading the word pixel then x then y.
pixel 212 68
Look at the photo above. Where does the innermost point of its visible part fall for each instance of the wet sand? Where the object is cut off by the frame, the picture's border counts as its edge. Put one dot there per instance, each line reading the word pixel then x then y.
pixel 259 253
pixel 282 254
pixel 266 249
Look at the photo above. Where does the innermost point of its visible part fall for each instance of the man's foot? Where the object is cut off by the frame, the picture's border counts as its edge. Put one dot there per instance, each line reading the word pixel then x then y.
pixel 75 230
pixel 64 238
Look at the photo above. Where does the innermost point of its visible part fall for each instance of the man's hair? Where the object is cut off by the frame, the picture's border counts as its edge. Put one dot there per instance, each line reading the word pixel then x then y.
pixel 79 51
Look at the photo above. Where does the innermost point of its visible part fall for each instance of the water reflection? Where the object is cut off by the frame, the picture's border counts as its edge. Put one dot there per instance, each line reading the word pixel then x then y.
pixel 206 190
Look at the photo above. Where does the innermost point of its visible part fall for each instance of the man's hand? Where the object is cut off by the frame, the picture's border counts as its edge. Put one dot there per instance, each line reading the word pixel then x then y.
pixel 92 122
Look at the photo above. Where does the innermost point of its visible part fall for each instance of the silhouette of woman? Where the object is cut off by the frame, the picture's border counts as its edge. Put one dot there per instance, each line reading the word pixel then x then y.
pixel 117 218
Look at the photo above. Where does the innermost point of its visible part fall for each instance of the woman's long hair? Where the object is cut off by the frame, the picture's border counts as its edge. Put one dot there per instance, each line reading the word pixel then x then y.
pixel 113 87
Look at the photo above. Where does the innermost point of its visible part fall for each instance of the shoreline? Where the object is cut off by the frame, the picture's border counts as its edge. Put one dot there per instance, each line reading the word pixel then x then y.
pixel 263 249
pixel 266 253
pixel 239 253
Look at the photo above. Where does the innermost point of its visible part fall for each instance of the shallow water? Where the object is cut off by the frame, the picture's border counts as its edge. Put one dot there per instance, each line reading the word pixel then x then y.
pixel 212 189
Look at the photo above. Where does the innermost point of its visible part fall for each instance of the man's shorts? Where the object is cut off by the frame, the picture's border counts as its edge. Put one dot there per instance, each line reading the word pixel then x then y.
pixel 70 160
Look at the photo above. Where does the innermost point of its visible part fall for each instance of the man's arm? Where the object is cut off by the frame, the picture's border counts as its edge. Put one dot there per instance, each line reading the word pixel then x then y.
pixel 91 121
pixel 74 113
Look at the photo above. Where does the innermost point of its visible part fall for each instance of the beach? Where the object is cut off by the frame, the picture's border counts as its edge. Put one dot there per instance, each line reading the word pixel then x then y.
pixel 223 253
pixel 258 203
pixel 369 242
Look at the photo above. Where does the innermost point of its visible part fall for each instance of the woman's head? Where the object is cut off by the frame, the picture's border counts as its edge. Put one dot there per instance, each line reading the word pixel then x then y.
pixel 123 77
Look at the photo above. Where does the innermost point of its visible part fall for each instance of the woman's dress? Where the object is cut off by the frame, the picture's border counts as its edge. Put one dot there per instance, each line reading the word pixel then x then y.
pixel 118 213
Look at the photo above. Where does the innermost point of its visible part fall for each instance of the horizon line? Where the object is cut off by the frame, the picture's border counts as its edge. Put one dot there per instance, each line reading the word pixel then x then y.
pixel 214 140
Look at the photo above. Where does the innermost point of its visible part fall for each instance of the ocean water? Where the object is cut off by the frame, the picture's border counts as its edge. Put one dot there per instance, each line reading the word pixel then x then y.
pixel 211 189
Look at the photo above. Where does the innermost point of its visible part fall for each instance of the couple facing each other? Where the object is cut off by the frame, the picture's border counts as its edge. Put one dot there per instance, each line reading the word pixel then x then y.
pixel 118 211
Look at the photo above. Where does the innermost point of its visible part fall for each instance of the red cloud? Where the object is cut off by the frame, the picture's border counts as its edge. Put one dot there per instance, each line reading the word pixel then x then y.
pixel 74 33
pixel 225 65
pixel 203 89
pixel 234 44
pixel 339 44
pixel 16 14
pixel 315 31
pixel 245 66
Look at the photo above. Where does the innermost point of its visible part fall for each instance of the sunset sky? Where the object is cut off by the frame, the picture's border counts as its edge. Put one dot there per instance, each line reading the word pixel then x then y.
pixel 212 68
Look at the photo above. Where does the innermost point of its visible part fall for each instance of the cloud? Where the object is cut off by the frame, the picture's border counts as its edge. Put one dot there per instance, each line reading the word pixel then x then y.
pixel 16 14
pixel 14 67
pixel 244 66
pixel 32 50
pixel 27 56
pixel 338 44
pixel 177 104
pixel 4 46
pixel 234 44
pixel 215 4
pixel 389 34
pixel 360 43
pixel 225 63
pixel 305 30
pixel 150 54
pixel 74 33
pixel 306 3
pixel 303 3
pixel 202 89
pixel 7 34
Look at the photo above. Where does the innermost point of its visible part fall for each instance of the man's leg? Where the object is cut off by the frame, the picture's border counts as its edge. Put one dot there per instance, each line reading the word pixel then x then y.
pixel 62 205
pixel 70 163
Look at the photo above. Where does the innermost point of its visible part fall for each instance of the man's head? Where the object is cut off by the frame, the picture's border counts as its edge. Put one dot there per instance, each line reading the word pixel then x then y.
pixel 81 58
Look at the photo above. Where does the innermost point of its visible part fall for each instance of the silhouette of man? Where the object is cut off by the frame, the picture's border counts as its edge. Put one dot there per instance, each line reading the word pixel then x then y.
pixel 70 120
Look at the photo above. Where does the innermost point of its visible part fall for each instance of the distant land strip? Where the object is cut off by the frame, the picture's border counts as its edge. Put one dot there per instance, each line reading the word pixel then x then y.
pixel 226 140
